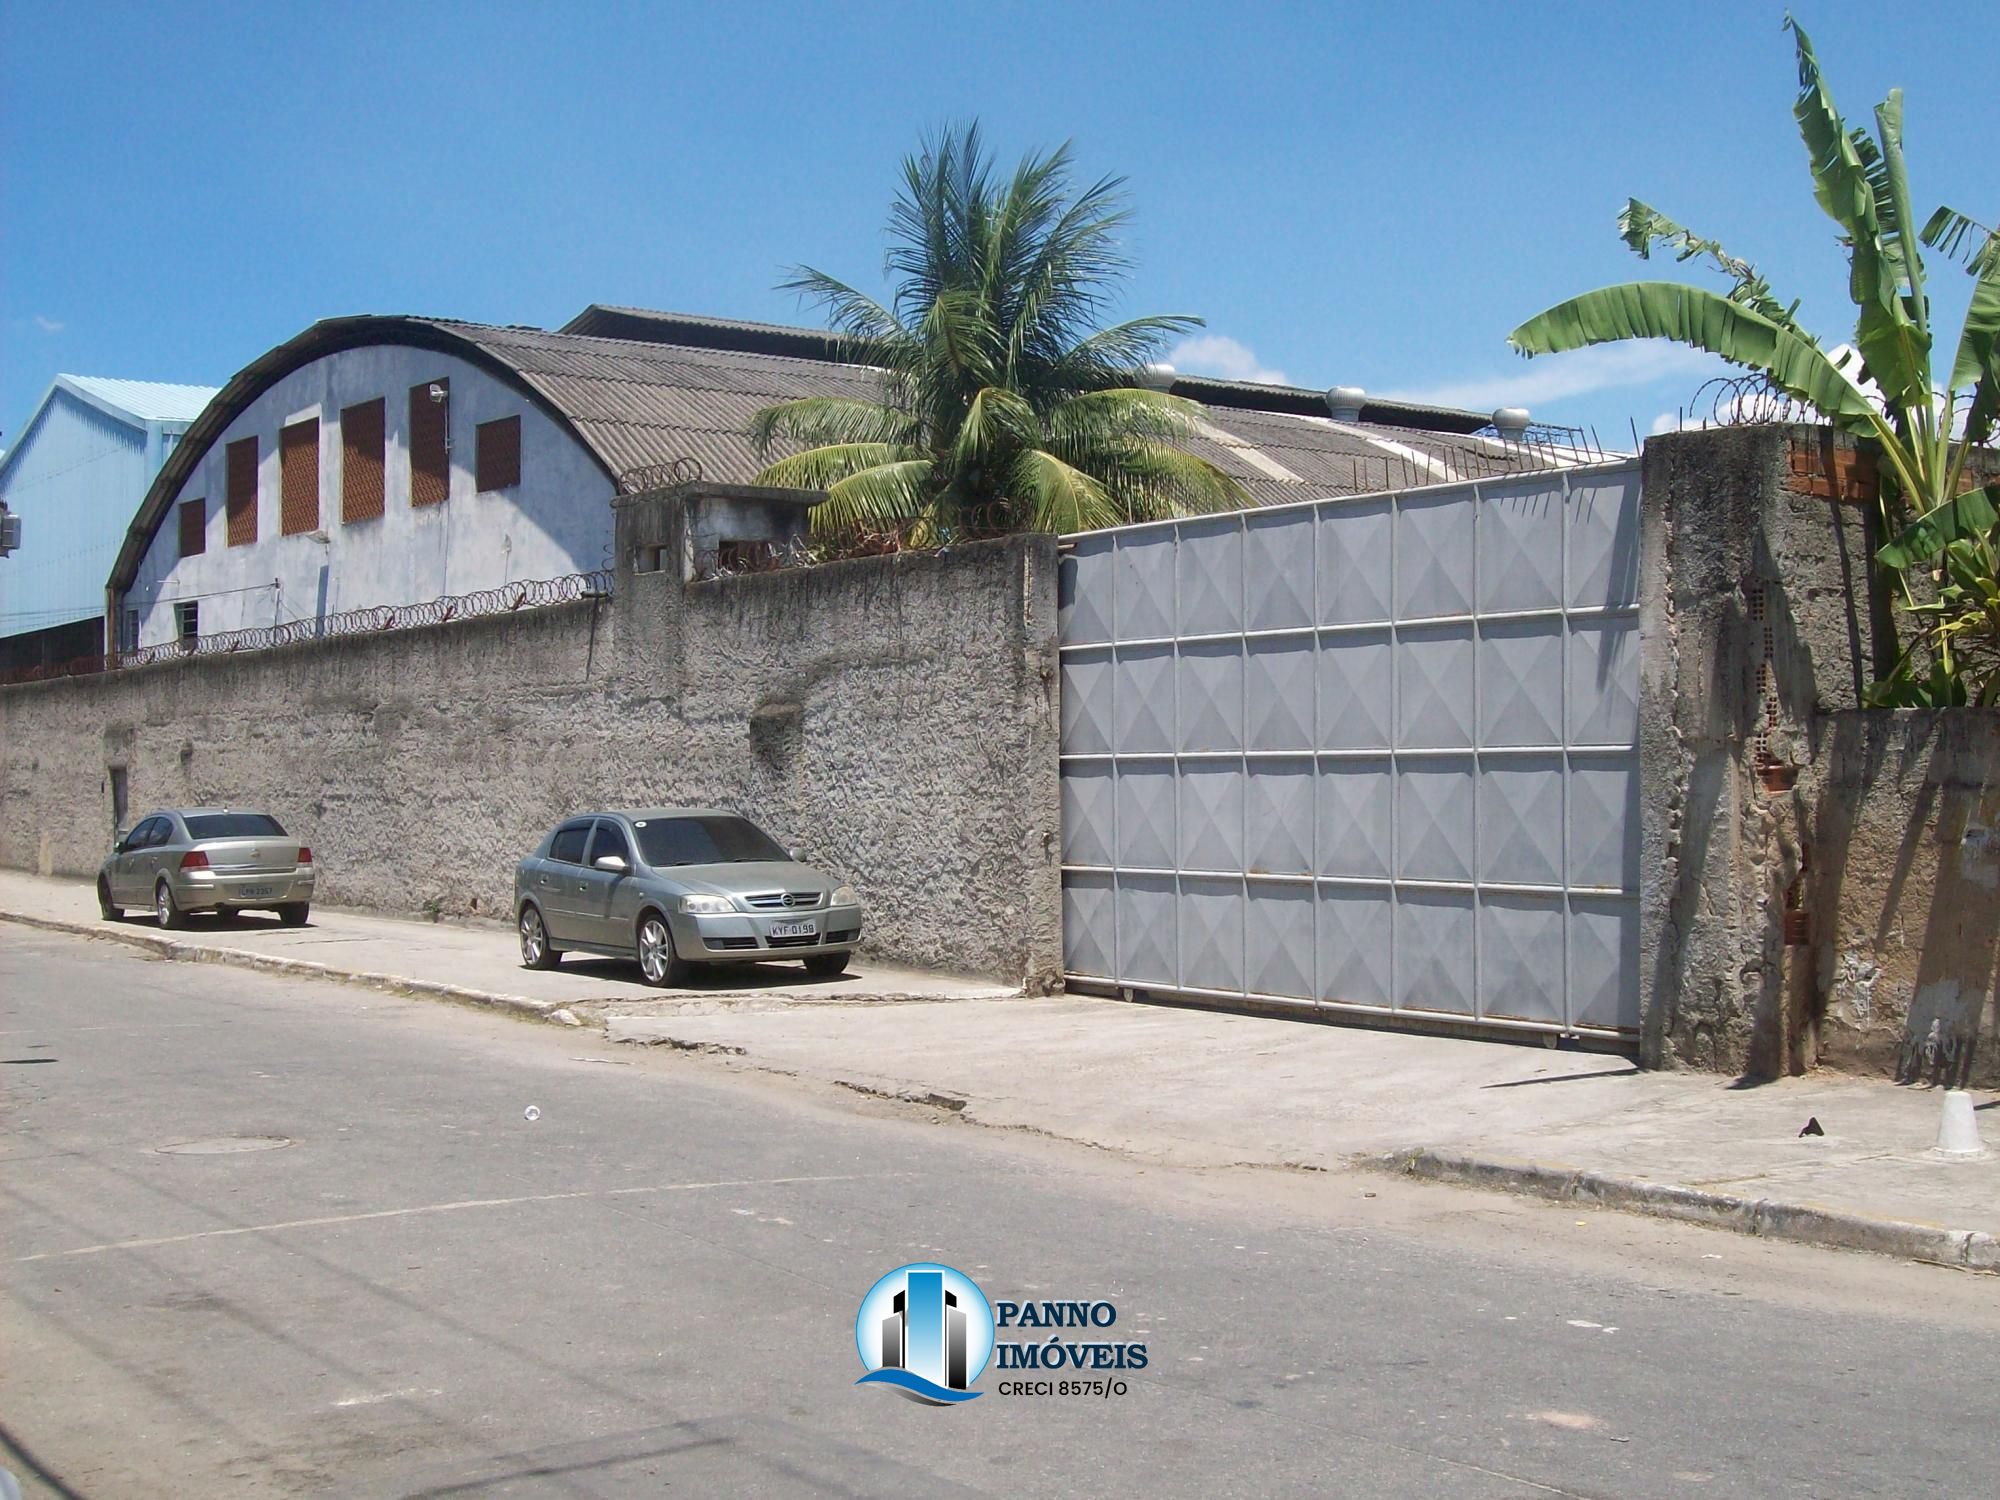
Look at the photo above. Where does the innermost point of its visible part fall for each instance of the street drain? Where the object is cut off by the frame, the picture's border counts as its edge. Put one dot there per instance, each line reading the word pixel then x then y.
pixel 223 1145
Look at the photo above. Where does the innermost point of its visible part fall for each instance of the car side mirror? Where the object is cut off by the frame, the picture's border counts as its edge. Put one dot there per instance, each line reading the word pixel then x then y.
pixel 123 837
pixel 796 855
pixel 612 862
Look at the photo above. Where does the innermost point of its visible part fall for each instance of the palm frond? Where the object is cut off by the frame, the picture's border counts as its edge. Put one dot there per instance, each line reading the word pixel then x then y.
pixel 824 466
pixel 822 420
pixel 884 497
pixel 1058 496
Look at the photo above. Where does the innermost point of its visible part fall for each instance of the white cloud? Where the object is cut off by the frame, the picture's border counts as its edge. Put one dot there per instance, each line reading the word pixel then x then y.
pixel 1212 354
pixel 48 325
pixel 1562 377
pixel 1666 421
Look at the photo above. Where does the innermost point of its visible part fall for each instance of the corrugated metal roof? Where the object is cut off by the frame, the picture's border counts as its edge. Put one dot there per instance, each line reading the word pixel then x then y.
pixel 145 400
pixel 636 402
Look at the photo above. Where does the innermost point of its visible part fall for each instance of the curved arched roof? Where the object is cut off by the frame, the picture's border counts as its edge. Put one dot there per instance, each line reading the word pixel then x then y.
pixel 638 388
pixel 628 404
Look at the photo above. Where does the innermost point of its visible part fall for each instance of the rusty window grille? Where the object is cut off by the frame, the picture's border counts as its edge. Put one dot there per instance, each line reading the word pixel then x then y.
pixel 363 441
pixel 746 556
pixel 298 477
pixel 242 499
pixel 497 454
pixel 194 527
pixel 430 442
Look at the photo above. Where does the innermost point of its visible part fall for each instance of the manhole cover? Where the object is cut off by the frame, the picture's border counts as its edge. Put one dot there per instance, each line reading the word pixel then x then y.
pixel 223 1145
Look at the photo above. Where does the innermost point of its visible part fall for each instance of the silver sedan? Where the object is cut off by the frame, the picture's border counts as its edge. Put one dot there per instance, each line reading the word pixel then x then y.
pixel 207 859
pixel 675 888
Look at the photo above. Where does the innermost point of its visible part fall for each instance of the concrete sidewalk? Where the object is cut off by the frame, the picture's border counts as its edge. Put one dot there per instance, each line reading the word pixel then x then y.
pixel 475 962
pixel 1205 1089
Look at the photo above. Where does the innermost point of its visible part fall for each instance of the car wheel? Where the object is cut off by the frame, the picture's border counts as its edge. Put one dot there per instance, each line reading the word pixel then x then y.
pixel 166 910
pixel 105 909
pixel 294 913
pixel 659 965
pixel 537 952
pixel 826 965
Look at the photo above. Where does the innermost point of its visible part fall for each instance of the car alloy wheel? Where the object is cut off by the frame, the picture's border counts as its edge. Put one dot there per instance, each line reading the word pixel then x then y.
pixel 656 950
pixel 535 951
pixel 164 909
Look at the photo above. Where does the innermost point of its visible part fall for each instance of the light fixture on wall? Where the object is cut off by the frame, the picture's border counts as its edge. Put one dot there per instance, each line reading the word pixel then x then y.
pixel 440 396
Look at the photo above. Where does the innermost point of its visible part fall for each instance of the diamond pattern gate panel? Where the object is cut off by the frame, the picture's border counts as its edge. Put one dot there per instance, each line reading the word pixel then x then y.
pixel 1375 755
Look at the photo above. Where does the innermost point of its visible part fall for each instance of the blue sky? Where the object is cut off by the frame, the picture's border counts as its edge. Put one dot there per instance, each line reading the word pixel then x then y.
pixel 1355 194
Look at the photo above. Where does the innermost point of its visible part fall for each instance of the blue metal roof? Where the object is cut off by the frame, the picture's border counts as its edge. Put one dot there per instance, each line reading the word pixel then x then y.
pixel 142 400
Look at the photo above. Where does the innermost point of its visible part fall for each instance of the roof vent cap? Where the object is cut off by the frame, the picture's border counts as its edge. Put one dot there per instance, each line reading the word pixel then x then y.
pixel 1345 402
pixel 1158 376
pixel 1511 422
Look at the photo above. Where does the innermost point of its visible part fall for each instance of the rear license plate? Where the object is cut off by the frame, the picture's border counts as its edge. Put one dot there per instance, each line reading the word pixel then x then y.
pixel 252 892
pixel 791 929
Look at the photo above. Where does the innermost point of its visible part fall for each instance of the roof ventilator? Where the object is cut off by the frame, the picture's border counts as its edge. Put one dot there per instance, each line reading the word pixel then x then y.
pixel 1344 402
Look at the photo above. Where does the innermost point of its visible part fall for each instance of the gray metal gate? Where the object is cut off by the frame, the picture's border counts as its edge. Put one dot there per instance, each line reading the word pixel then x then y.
pixel 1376 754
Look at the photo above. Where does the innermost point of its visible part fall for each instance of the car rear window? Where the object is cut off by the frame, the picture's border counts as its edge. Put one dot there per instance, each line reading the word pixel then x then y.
pixel 704 841
pixel 567 845
pixel 233 826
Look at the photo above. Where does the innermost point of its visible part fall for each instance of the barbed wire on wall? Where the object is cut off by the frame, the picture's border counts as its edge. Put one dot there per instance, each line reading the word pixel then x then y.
pixel 666 476
pixel 507 599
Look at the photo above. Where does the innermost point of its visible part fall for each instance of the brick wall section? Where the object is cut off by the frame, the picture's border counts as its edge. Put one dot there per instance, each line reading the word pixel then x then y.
pixel 893 717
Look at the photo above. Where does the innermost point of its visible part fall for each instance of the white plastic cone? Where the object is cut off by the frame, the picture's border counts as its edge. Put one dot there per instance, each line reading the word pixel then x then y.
pixel 1958 1128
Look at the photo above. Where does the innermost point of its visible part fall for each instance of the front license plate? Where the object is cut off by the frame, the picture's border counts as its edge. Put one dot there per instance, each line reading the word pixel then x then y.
pixel 253 892
pixel 791 929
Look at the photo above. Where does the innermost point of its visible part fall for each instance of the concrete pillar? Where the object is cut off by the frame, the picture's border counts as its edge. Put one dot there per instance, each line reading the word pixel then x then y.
pixel 1756 615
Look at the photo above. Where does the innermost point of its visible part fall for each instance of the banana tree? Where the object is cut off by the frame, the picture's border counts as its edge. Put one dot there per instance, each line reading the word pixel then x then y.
pixel 1942 515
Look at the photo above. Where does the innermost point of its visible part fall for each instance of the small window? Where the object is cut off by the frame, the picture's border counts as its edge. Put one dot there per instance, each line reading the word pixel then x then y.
pixel 187 621
pixel 242 501
pixel 128 630
pixel 430 442
pixel 363 442
pixel 298 477
pixel 235 826
pixel 194 527
pixel 610 840
pixel 497 454
pixel 567 845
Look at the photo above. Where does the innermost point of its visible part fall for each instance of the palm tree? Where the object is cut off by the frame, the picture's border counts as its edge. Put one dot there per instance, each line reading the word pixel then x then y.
pixel 1003 406
pixel 1882 388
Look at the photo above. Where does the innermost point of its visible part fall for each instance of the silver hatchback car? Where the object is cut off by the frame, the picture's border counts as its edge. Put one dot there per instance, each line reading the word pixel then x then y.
pixel 677 887
pixel 207 859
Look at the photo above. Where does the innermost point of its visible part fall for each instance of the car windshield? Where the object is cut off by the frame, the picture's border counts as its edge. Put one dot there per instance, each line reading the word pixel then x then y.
pixel 233 826
pixel 703 841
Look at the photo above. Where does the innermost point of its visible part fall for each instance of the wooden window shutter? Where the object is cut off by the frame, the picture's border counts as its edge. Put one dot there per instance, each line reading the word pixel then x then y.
pixel 430 451
pixel 298 477
pixel 194 527
pixel 242 500
pixel 498 454
pixel 364 431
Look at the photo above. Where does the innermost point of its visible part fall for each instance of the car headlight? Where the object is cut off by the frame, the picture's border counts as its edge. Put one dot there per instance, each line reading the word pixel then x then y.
pixel 706 906
pixel 844 896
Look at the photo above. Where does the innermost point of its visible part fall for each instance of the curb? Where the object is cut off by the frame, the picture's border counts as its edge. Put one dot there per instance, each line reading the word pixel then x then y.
pixel 1769 1218
pixel 297 968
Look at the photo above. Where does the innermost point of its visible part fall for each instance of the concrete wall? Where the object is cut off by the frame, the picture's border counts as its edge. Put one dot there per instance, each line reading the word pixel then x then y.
pixel 556 521
pixel 1904 895
pixel 1756 618
pixel 894 717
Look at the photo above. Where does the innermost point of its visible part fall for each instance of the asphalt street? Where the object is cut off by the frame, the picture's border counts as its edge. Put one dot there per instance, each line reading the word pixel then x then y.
pixel 265 1237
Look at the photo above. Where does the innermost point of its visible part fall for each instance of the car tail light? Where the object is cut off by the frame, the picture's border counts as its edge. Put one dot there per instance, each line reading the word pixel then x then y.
pixel 194 859
pixel 305 855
